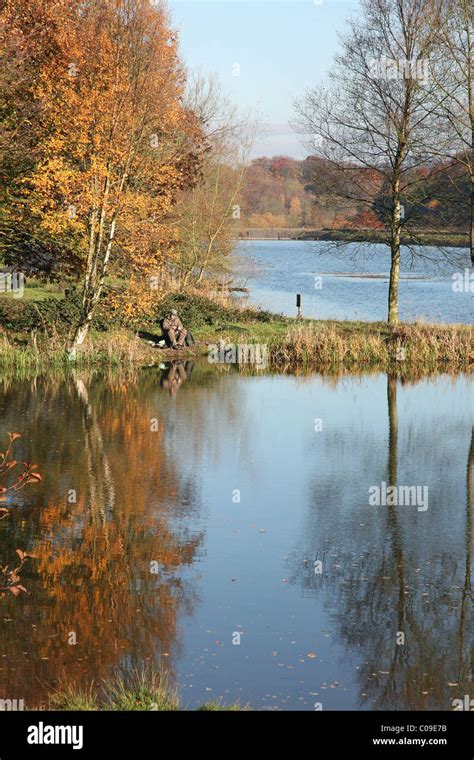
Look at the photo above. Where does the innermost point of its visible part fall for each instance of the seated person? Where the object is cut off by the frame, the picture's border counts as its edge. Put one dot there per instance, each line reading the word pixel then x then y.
pixel 174 329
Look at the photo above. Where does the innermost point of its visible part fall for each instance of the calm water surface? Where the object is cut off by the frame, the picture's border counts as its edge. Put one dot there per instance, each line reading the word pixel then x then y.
pixel 354 280
pixel 225 490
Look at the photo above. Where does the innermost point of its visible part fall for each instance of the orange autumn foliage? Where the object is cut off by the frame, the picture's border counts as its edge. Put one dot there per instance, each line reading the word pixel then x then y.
pixel 113 143
pixel 92 567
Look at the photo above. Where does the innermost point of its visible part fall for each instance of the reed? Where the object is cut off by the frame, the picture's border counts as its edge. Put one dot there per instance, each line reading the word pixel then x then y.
pixel 323 345
pixel 118 348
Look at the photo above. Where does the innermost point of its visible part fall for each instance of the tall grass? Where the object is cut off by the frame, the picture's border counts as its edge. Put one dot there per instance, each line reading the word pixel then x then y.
pixel 74 698
pixel 322 345
pixel 117 348
pixel 139 690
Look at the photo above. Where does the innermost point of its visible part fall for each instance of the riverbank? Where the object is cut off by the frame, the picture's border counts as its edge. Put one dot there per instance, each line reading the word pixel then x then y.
pixel 321 345
pixel 330 346
pixel 424 237
pixel 36 335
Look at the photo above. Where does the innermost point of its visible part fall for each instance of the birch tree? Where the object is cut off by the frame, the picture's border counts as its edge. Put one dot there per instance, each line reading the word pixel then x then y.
pixel 115 145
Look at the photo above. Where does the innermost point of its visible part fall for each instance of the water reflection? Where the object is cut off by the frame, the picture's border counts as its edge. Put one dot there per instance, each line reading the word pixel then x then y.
pixel 175 374
pixel 105 514
pixel 143 554
pixel 400 601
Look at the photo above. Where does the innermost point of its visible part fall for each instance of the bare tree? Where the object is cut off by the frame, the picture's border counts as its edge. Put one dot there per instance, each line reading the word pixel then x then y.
pixel 209 213
pixel 451 67
pixel 373 121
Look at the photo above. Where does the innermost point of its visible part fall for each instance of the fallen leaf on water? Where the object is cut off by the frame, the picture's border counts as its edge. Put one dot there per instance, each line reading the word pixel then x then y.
pixel 311 655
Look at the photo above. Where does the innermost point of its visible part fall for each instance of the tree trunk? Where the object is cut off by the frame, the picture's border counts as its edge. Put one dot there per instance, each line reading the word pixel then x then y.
pixel 81 330
pixel 96 269
pixel 200 276
pixel 393 286
pixel 395 264
pixel 472 214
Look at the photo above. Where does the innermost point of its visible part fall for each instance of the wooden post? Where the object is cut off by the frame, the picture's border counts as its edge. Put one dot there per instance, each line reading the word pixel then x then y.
pixel 298 304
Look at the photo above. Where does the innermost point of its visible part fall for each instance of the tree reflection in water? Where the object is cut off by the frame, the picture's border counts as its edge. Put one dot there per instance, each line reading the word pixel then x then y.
pixel 104 519
pixel 382 579
pixel 130 479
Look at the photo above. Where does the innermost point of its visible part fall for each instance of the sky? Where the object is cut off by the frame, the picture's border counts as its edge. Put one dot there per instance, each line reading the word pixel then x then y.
pixel 265 53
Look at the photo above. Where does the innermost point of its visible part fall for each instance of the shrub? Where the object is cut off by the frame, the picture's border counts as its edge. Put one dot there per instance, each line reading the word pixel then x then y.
pixel 60 313
pixel 197 311
pixel 25 316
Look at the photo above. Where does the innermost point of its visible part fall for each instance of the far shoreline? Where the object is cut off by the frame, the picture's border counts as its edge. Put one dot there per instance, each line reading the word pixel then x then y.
pixel 285 234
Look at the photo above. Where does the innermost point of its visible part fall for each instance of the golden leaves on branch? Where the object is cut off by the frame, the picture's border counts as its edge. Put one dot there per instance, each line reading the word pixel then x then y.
pixel 103 83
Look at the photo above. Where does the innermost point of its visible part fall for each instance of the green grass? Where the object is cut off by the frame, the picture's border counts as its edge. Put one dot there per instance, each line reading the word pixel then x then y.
pixel 271 333
pixel 31 293
pixel 320 345
pixel 38 290
pixel 141 690
pixel 36 336
pixel 274 332
pixel 326 345
pixel 72 698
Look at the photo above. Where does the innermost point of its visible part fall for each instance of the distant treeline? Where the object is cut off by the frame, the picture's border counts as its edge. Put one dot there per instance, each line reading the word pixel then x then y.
pixel 283 192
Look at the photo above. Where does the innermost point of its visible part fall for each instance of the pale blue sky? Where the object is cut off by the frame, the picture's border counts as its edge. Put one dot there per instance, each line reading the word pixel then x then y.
pixel 282 47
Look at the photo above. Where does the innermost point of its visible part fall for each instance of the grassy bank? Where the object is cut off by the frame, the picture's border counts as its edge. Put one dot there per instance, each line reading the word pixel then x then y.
pixel 328 345
pixel 141 691
pixel 118 348
pixel 322 345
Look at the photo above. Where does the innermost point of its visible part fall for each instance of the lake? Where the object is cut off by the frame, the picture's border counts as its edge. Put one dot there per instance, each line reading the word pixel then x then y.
pixel 225 530
pixel 353 280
